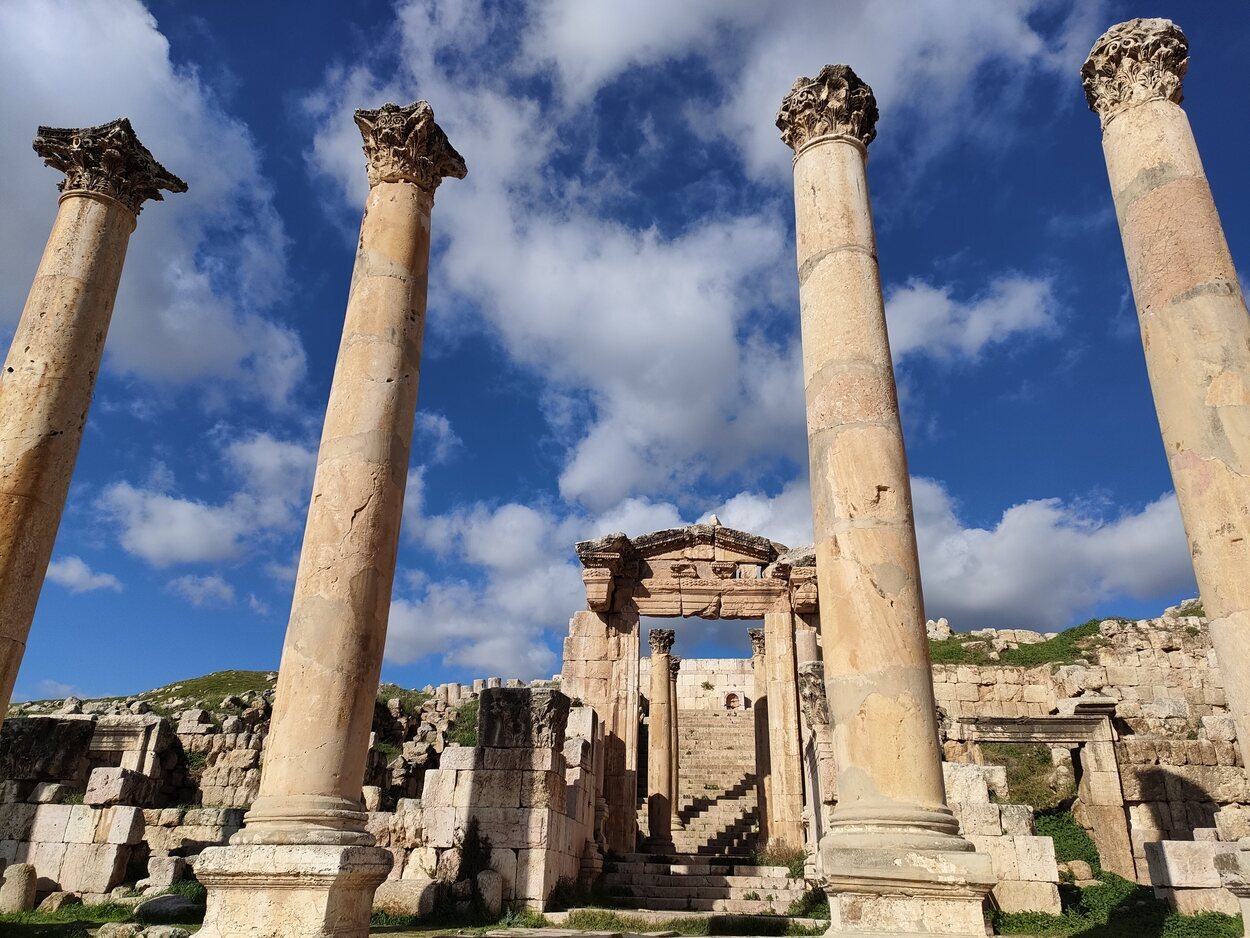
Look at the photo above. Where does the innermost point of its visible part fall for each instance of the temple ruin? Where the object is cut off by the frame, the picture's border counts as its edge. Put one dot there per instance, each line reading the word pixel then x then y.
pixel 664 781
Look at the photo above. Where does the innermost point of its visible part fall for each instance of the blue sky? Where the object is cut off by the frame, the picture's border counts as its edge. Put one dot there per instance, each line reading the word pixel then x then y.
pixel 612 334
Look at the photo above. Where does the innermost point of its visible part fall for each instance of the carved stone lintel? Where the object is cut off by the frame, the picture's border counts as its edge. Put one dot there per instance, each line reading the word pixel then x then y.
pixel 599 582
pixel 109 160
pixel 757 642
pixel 661 641
pixel 812 693
pixel 1134 62
pixel 404 144
pixel 674 665
pixel 835 102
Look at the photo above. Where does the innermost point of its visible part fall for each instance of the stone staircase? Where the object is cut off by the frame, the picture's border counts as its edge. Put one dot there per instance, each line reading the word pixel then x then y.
pixel 699 884
pixel 717 804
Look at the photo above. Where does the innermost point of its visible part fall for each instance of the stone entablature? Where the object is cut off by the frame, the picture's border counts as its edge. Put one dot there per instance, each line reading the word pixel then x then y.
pixel 705 570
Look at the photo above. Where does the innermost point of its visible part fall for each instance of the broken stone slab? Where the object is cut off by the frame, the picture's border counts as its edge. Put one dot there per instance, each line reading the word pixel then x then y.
pixel 17 892
pixel 114 786
pixel 403 897
pixel 55 901
pixel 522 718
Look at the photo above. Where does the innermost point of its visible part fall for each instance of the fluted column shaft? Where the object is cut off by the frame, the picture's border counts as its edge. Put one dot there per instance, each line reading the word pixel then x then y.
pixel 1194 324
pixel 49 375
pixel 332 657
pixel 659 747
pixel 890 788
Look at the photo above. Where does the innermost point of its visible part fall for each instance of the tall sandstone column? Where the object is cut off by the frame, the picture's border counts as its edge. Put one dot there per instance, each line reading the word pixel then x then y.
pixel 759 711
pixel 893 856
pixel 1194 325
pixel 303 863
pixel 785 804
pixel 49 375
pixel 674 666
pixel 659 746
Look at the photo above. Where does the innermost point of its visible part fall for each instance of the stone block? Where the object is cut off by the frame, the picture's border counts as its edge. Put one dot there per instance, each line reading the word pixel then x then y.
pixel 404 897
pixel 110 786
pixel 534 876
pixel 458 758
pixel 1185 864
pixel 1233 822
pixel 981 819
pixel 163 872
pixel 441 824
pixel 541 790
pixel 503 861
pixel 80 828
pixel 438 789
pixel 49 793
pixel 16 821
pixel 50 823
pixel 93 867
pixel 421 863
pixel 1016 819
pixel 522 718
pixel 17 891
pixel 1220 728
pixel 1035 860
pixel 47 858
pixel 490 890
pixel 483 788
pixel 1198 901
pixel 122 824
pixel 1016 896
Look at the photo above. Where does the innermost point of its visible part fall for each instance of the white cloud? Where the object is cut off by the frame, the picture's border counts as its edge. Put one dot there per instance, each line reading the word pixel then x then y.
pixel 203 266
pixel 202 590
pixel 165 529
pixel 74 574
pixel 926 319
pixel 785 517
pixel 436 440
pixel 1045 560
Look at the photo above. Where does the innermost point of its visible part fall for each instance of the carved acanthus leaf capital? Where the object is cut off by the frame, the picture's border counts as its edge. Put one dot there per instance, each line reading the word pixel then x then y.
pixel 404 144
pixel 1134 62
pixel 109 160
pixel 661 641
pixel 757 642
pixel 835 102
pixel 812 693
pixel 674 665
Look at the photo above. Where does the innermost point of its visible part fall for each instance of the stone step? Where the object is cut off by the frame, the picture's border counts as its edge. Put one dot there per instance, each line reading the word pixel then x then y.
pixel 780 881
pixel 732 906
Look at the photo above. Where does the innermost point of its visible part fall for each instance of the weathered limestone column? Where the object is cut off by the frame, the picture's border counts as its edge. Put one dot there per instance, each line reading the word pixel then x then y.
pixel 303 863
pixel 659 747
pixel 674 666
pixel 759 707
pixel 893 856
pixel 49 375
pixel 785 819
pixel 1194 324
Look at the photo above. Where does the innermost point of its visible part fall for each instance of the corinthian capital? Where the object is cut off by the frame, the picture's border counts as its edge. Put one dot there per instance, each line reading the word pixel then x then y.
pixel 108 159
pixel 674 666
pixel 661 641
pixel 403 144
pixel 835 102
pixel 1134 62
pixel 757 642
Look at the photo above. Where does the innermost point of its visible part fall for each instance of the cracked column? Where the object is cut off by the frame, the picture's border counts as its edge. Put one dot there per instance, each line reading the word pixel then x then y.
pixel 1194 325
pixel 759 711
pixel 674 666
pixel 659 746
pixel 892 857
pixel 304 863
pixel 785 804
pixel 49 375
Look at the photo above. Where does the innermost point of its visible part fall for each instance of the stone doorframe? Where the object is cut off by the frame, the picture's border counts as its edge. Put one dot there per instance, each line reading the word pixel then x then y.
pixel 707 571
pixel 1086 725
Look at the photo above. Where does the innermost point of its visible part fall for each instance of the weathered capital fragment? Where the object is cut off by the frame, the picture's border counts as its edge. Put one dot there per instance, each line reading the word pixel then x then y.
pixel 404 144
pixel 812 693
pixel 834 103
pixel 108 160
pixel 674 665
pixel 757 642
pixel 661 641
pixel 1134 62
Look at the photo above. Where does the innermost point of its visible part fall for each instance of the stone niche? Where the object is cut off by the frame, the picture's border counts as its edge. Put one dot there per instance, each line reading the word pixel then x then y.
pixel 705 570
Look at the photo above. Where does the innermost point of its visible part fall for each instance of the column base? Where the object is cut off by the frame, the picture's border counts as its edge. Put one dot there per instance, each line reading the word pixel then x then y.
pixel 895 894
pixel 660 847
pixel 290 891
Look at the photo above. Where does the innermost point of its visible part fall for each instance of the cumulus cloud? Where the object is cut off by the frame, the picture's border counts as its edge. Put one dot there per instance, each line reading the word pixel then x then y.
pixel 274 477
pixel 202 590
pixel 74 574
pixel 927 319
pixel 436 440
pixel 203 267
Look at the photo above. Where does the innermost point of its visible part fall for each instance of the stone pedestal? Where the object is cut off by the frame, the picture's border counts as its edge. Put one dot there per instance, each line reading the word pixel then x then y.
pixel 893 858
pixel 49 375
pixel 659 747
pixel 309 809
pixel 290 890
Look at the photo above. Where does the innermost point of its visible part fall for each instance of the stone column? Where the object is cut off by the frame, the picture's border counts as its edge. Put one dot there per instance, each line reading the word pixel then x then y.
pixel 759 708
pixel 893 855
pixel 1194 324
pixel 674 665
pixel 785 818
pixel 659 746
pixel 49 375
pixel 304 863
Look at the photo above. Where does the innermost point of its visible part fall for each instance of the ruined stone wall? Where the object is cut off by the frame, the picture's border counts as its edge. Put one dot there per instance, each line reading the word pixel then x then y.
pixel 705 683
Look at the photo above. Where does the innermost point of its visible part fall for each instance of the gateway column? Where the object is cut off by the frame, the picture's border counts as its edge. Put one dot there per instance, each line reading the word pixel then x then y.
pixel 893 858
pixel 674 666
pixel 659 747
pixel 1194 326
pixel 785 822
pixel 49 375
pixel 763 752
pixel 303 863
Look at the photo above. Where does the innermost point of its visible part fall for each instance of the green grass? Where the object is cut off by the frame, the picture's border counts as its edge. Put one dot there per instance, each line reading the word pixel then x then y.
pixel 608 920
pixel 410 701
pixel 463 730
pixel 1028 767
pixel 1072 842
pixel 388 751
pixel 773 854
pixel 1068 647
pixel 70 922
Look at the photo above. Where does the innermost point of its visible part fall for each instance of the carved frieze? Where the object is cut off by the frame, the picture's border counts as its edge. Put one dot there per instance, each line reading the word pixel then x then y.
pixel 1134 62
pixel 404 144
pixel 835 102
pixel 109 160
